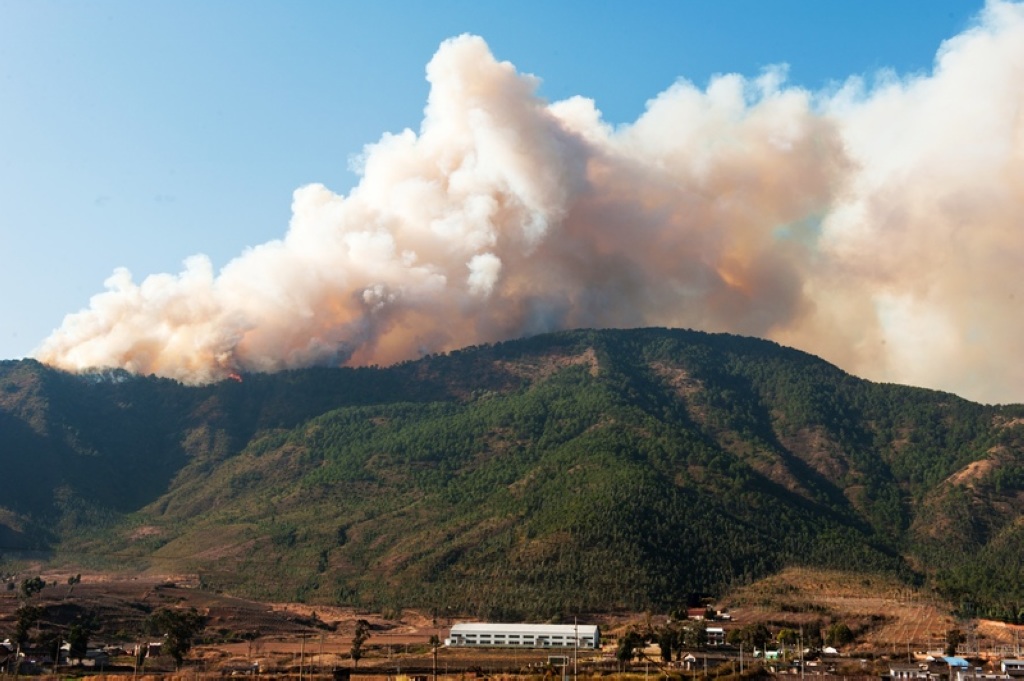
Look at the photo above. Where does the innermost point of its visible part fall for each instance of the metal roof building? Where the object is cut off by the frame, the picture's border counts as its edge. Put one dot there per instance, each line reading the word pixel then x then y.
pixel 498 635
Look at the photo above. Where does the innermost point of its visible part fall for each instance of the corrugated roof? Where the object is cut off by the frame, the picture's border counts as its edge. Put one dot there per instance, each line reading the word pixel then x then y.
pixel 534 629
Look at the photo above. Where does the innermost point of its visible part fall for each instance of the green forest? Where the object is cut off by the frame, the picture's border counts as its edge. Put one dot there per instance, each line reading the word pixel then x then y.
pixel 570 472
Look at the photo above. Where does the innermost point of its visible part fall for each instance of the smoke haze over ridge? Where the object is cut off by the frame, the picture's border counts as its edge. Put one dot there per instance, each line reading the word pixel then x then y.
pixel 879 225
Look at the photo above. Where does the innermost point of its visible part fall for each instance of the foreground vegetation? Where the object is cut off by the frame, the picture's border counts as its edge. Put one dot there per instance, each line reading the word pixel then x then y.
pixel 581 471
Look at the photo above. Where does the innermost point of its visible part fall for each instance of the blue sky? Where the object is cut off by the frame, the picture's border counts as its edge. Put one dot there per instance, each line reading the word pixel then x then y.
pixel 136 134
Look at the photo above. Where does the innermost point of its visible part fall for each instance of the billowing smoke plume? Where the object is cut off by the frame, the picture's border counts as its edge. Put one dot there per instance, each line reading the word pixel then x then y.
pixel 878 225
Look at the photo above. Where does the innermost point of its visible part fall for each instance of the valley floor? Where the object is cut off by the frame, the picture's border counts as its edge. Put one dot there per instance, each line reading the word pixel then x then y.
pixel 891 623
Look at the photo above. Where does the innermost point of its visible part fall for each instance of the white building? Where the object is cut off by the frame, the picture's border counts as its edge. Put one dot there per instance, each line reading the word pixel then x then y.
pixel 1011 666
pixel 900 671
pixel 716 636
pixel 488 635
pixel 979 675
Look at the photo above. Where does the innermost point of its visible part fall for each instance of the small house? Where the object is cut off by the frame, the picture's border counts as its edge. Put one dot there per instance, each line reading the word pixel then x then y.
pixel 716 636
pixel 1013 667
pixel 908 671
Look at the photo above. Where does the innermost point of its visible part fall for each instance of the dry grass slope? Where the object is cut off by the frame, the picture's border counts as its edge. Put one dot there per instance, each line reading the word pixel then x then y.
pixel 887 615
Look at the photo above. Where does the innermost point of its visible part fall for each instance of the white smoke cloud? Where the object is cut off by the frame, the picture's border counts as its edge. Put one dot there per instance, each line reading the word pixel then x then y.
pixel 880 226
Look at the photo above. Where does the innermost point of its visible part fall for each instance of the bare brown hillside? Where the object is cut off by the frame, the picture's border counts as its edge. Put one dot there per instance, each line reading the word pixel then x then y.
pixel 886 615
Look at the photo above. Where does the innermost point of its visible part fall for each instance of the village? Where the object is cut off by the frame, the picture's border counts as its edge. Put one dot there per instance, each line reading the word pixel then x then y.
pixel 234 637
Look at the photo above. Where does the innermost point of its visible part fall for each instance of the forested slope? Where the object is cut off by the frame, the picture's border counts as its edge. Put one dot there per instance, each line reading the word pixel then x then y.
pixel 575 471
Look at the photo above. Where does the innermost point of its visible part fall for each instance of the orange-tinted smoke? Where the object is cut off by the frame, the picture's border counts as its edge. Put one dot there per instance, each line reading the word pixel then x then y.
pixel 880 226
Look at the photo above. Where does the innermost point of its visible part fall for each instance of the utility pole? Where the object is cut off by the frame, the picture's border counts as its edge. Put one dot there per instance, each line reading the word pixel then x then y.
pixel 302 654
pixel 801 643
pixel 575 647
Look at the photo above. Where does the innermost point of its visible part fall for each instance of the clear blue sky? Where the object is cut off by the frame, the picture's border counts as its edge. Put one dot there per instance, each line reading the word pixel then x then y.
pixel 138 133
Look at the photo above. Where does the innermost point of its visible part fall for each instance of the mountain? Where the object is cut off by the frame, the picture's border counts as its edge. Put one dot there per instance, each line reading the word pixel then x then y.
pixel 584 470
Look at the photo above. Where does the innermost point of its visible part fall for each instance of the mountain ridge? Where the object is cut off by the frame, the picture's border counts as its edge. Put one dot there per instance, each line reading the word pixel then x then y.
pixel 577 470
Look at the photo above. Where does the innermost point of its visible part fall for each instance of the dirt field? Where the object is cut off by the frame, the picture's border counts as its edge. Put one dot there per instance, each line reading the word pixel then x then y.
pixel 242 635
